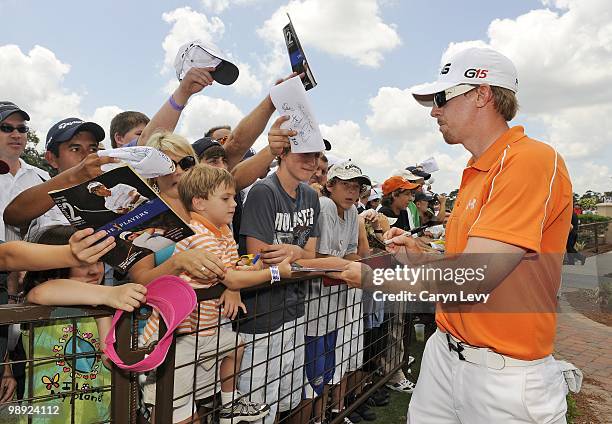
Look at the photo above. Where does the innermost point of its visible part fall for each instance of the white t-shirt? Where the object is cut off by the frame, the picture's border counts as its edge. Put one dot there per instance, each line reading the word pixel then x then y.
pixel 326 307
pixel 123 196
pixel 11 186
pixel 152 242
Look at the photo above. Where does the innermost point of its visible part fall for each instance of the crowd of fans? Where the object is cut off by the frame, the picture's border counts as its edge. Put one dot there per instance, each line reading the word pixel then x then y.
pixel 298 351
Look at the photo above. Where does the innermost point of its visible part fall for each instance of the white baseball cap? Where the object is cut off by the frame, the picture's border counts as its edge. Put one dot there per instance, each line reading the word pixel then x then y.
pixel 204 54
pixel 474 65
pixel 348 170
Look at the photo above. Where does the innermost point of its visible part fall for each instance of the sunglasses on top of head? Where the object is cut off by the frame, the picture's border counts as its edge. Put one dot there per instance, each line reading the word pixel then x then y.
pixel 6 128
pixel 186 163
pixel 442 97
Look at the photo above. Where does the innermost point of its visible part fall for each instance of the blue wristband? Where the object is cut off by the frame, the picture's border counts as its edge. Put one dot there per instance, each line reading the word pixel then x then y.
pixel 175 105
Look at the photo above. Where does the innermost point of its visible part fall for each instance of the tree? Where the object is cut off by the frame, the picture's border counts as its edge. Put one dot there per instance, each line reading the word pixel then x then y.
pixel 34 157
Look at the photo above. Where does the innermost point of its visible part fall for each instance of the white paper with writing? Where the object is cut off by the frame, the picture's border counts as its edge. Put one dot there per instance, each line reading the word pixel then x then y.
pixel 289 98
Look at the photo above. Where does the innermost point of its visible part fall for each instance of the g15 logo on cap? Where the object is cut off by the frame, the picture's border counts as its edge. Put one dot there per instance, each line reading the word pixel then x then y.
pixel 476 73
pixel 445 69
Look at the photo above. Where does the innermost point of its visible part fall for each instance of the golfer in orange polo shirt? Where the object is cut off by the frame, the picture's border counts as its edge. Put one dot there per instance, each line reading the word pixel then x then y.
pixel 491 362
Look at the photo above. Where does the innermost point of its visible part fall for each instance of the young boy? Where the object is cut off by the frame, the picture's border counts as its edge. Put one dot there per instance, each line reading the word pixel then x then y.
pixel 208 194
pixel 333 343
pixel 279 218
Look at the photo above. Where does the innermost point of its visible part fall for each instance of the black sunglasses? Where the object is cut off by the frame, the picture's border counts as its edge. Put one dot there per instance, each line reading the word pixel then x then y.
pixel 442 97
pixel 6 128
pixel 186 163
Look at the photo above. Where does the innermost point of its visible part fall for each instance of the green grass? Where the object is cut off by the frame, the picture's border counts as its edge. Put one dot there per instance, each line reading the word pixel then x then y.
pixel 395 411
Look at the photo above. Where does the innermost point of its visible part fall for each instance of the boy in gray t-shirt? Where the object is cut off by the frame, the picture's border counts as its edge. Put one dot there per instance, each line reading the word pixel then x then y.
pixel 334 313
pixel 278 220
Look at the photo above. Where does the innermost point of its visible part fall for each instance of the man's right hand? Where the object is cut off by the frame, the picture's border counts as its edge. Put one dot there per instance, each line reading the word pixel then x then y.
pixel 90 167
pixel 195 80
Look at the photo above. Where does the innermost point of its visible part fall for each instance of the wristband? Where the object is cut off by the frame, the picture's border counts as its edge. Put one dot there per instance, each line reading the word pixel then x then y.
pixel 378 231
pixel 175 105
pixel 275 273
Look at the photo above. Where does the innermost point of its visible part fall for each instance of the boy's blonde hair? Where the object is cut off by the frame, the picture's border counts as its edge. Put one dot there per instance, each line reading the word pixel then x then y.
pixel 201 181
pixel 167 142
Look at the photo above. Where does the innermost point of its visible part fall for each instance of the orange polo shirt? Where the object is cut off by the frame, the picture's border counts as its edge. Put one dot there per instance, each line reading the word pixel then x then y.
pixel 518 192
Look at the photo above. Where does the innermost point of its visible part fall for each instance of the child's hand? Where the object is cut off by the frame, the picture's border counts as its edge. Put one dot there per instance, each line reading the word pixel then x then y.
pixel 285 267
pixel 84 249
pixel 231 302
pixel 126 297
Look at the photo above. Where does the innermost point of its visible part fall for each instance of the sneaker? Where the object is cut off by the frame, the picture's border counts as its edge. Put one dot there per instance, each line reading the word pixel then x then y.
pixel 243 409
pixel 379 398
pixel 351 419
pixel 365 412
pixel 404 386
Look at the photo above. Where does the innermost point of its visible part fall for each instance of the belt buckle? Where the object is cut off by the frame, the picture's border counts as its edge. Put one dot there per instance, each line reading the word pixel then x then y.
pixel 455 346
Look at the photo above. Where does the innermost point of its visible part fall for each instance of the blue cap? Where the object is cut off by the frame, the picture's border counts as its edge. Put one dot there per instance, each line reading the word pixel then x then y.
pixel 65 129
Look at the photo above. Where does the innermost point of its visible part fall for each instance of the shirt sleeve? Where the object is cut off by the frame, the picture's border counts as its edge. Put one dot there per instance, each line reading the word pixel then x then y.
pixel 324 226
pixel 518 200
pixel 353 240
pixel 258 214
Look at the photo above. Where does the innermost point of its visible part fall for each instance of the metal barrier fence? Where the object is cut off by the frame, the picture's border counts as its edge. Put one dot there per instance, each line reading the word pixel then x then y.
pixel 593 234
pixel 370 346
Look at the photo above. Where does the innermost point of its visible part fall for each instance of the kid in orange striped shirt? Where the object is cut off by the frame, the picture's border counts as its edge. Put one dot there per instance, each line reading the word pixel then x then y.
pixel 208 194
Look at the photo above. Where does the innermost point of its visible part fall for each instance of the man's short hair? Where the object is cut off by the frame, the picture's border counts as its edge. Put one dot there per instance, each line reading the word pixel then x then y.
pixel 123 122
pixel 201 181
pixel 210 132
pixel 505 102
pixel 213 152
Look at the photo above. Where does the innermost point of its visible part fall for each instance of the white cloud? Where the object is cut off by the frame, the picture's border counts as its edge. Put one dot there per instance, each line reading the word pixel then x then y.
pixel 247 84
pixel 218 6
pixel 347 140
pixel 34 81
pixel 205 112
pixel 103 116
pixel 188 25
pixel 594 177
pixel 345 28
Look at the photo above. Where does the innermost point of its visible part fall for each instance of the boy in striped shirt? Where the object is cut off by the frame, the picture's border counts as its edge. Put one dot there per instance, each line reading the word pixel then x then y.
pixel 208 194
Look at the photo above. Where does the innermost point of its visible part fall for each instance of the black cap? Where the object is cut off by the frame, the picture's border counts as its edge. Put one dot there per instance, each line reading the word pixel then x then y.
pixel 327 145
pixel 249 154
pixel 418 172
pixel 203 144
pixel 65 129
pixel 8 108
pixel 418 197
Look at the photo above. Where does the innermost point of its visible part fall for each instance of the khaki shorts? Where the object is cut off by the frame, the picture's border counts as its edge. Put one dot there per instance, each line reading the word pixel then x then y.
pixel 211 350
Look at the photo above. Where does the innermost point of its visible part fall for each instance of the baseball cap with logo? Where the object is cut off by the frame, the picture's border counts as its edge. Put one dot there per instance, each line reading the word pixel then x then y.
pixel 65 129
pixel 204 54
pixel 203 144
pixel 347 170
pixel 397 183
pixel 8 108
pixel 474 66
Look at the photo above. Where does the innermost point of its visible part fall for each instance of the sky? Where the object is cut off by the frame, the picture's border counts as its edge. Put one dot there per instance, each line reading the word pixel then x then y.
pixel 95 59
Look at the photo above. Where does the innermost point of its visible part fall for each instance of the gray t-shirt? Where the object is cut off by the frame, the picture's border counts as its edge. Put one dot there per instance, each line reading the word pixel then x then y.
pixel 326 306
pixel 273 217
